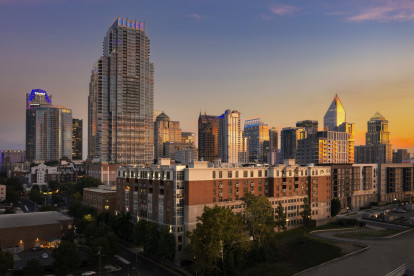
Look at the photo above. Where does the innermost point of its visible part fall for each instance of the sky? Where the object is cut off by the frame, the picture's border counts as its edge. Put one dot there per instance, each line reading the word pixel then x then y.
pixel 282 61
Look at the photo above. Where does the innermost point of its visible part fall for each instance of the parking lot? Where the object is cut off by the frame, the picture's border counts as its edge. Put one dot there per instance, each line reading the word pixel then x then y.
pixel 21 259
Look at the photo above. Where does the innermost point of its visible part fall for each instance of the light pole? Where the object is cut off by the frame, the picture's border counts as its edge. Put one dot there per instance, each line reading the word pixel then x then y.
pixel 100 270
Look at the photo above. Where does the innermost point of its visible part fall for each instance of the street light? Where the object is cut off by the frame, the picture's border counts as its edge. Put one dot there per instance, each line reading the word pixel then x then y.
pixel 100 269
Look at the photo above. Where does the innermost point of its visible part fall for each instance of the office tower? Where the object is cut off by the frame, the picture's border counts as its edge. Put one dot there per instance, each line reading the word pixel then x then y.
pixel 208 137
pixel 165 131
pixel 335 115
pixel 271 147
pixel 232 143
pixel 310 126
pixel 257 135
pixel 48 129
pixel 121 97
pixel 400 156
pixel 289 141
pixel 188 137
pixel 77 130
pixel 34 99
pixel 378 148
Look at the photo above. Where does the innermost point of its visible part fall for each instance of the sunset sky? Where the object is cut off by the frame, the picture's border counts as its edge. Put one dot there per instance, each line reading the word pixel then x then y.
pixel 281 60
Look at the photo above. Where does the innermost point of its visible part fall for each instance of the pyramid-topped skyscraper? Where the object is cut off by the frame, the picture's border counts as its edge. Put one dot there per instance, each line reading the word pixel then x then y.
pixel 335 115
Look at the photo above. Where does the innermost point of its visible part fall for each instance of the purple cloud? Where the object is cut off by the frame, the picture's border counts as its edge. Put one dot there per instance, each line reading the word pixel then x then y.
pixel 282 9
pixel 195 16
pixel 384 11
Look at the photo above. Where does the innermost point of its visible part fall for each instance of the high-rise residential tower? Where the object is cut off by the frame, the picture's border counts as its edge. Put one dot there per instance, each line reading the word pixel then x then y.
pixel 121 97
pixel 165 130
pixel 378 148
pixel 48 128
pixel 77 131
pixel 257 135
pixel 310 126
pixel 208 137
pixel 232 143
pixel 335 115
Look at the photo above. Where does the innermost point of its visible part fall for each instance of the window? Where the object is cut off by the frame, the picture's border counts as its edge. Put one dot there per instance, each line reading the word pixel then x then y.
pixel 244 173
pixel 180 175
pixel 230 183
pixel 220 174
pixel 237 174
pixel 251 173
pixel 229 174
pixel 260 173
pixel 214 174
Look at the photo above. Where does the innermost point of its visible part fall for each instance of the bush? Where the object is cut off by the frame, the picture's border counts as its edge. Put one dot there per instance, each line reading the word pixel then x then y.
pixel 347 222
pixel 362 224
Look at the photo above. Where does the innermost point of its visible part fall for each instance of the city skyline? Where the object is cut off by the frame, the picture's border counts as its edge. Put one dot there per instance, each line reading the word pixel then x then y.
pixel 281 75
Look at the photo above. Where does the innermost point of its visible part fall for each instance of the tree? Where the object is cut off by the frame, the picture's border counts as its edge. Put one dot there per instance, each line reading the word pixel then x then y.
pixel 259 217
pixel 335 206
pixel 219 242
pixel 33 267
pixel 306 213
pixel 87 182
pixel 12 196
pixel 6 262
pixel 280 218
pixel 66 257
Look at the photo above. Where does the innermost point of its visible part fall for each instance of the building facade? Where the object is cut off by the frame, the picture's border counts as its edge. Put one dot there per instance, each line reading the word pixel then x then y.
pixel 257 135
pixel 208 137
pixel 175 195
pixel 103 198
pixel 335 115
pixel 48 129
pixel 289 138
pixel 400 156
pixel 378 148
pixel 121 97
pixel 233 146
pixel 9 158
pixel 165 130
pixel 77 132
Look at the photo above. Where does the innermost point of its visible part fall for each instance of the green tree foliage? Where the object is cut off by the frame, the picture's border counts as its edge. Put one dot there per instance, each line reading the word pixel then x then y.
pixel 280 218
pixel 335 207
pixel 86 182
pixel 53 185
pixel 259 217
pixel 306 213
pixel 14 187
pixel 36 195
pixel 66 257
pixel 33 267
pixel 47 208
pixel 219 242
pixel 155 239
pixel 6 262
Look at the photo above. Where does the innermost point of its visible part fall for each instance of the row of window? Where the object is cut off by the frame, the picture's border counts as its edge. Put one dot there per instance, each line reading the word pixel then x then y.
pixel 245 174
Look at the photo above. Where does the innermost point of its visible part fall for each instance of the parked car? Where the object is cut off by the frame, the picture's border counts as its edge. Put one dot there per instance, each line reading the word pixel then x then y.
pixel 36 248
pixel 400 211
pixel 88 273
pixel 45 256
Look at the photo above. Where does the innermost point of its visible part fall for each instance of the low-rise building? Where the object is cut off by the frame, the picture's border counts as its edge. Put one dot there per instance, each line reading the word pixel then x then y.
pixel 27 230
pixel 103 198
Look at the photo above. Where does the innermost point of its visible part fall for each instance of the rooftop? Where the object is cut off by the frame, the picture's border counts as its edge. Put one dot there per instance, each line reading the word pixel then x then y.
pixel 31 219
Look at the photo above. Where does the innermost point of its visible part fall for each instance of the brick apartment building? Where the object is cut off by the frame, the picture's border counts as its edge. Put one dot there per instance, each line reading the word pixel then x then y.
pixel 175 195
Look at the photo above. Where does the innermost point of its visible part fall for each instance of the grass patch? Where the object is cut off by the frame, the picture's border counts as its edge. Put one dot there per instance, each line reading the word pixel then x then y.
pixel 297 251
pixel 369 234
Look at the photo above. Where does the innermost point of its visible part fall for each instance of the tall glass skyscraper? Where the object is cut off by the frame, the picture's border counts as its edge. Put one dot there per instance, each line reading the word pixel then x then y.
pixel 121 97
pixel 48 128
pixel 335 115
pixel 208 137
pixel 232 143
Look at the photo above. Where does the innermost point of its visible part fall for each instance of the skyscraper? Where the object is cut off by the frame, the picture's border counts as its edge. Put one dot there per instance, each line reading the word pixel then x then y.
pixel 310 126
pixel 121 97
pixel 232 143
pixel 335 115
pixel 257 134
pixel 34 99
pixel 208 137
pixel 77 131
pixel 378 148
pixel 48 128
pixel 165 130
pixel 289 141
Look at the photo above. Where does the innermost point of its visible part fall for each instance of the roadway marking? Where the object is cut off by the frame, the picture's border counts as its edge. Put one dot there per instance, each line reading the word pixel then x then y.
pixel 122 259
pixel 27 209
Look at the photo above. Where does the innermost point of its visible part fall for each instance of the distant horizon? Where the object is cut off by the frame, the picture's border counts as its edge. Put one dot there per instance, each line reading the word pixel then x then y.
pixel 281 61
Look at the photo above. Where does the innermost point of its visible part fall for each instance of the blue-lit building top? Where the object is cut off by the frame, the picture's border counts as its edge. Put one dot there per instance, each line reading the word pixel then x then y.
pixel 37 97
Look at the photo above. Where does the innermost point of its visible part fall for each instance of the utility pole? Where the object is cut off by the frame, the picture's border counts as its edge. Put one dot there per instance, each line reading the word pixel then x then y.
pixel 100 270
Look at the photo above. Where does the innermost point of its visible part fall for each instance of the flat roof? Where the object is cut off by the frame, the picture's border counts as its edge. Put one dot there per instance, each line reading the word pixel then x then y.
pixel 31 219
